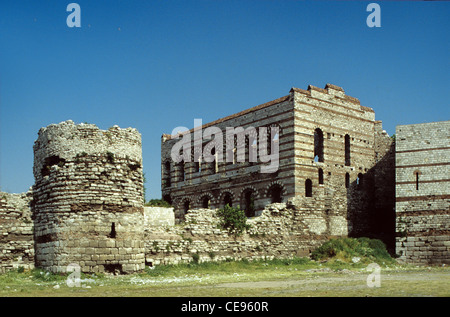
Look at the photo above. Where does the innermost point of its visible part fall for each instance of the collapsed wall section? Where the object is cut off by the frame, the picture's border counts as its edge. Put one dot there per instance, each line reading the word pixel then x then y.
pixel 282 230
pixel 423 192
pixel 88 198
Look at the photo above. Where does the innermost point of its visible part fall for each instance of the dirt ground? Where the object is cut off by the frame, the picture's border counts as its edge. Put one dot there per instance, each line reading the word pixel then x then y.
pixel 306 283
pixel 351 284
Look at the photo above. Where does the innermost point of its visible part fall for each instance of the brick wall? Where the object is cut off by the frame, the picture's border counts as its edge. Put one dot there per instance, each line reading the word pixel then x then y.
pixel 423 192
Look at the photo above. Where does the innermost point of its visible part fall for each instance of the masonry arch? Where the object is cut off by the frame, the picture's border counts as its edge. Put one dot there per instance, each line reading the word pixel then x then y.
pixel 318 145
pixel 226 198
pixel 206 200
pixel 247 200
pixel 320 176
pixel 308 188
pixel 275 192
pixel 185 205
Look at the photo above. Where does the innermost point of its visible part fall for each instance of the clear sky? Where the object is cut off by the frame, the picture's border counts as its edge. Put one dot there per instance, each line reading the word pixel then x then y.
pixel 156 65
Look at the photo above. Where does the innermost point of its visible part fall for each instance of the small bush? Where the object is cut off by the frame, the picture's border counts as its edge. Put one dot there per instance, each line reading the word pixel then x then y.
pixel 110 157
pixel 345 249
pixel 233 219
pixel 157 203
pixel 195 258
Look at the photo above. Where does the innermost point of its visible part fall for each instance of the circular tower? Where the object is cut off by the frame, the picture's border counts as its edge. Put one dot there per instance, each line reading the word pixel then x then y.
pixel 88 198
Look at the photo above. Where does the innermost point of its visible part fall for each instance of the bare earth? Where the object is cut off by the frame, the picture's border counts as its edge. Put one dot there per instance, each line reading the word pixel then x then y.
pixel 352 284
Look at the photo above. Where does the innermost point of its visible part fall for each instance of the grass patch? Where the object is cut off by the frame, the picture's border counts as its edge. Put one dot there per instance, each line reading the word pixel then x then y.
pixel 349 250
pixel 276 277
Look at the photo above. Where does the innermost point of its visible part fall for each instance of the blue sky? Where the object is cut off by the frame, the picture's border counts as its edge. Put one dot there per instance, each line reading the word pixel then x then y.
pixel 156 65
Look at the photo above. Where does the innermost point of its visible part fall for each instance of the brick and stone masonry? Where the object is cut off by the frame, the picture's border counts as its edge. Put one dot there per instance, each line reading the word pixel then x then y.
pixel 16 232
pixel 423 192
pixel 339 174
pixel 88 198
pixel 333 156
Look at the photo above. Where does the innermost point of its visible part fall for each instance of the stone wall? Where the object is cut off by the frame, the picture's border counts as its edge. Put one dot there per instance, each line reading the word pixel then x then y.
pixel 282 230
pixel 423 192
pixel 88 198
pixel 16 232
pixel 158 216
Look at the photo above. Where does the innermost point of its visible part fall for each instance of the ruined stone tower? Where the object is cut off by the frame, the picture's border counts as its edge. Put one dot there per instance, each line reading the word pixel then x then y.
pixel 88 198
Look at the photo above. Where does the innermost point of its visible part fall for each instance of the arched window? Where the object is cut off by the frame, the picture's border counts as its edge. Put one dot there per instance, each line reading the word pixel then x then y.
pixel 347 180
pixel 248 201
pixel 186 206
pixel 206 202
pixel 318 145
pixel 308 188
pixel 275 193
pixel 320 176
pixel 227 200
pixel 347 150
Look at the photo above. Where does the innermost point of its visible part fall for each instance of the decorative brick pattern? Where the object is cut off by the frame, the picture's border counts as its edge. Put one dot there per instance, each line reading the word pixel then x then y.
pixel 423 192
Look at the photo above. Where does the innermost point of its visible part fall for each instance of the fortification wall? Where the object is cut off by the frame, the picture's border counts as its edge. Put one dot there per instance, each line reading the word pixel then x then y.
pixel 88 198
pixel 282 230
pixel 158 216
pixel 423 192
pixel 16 232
